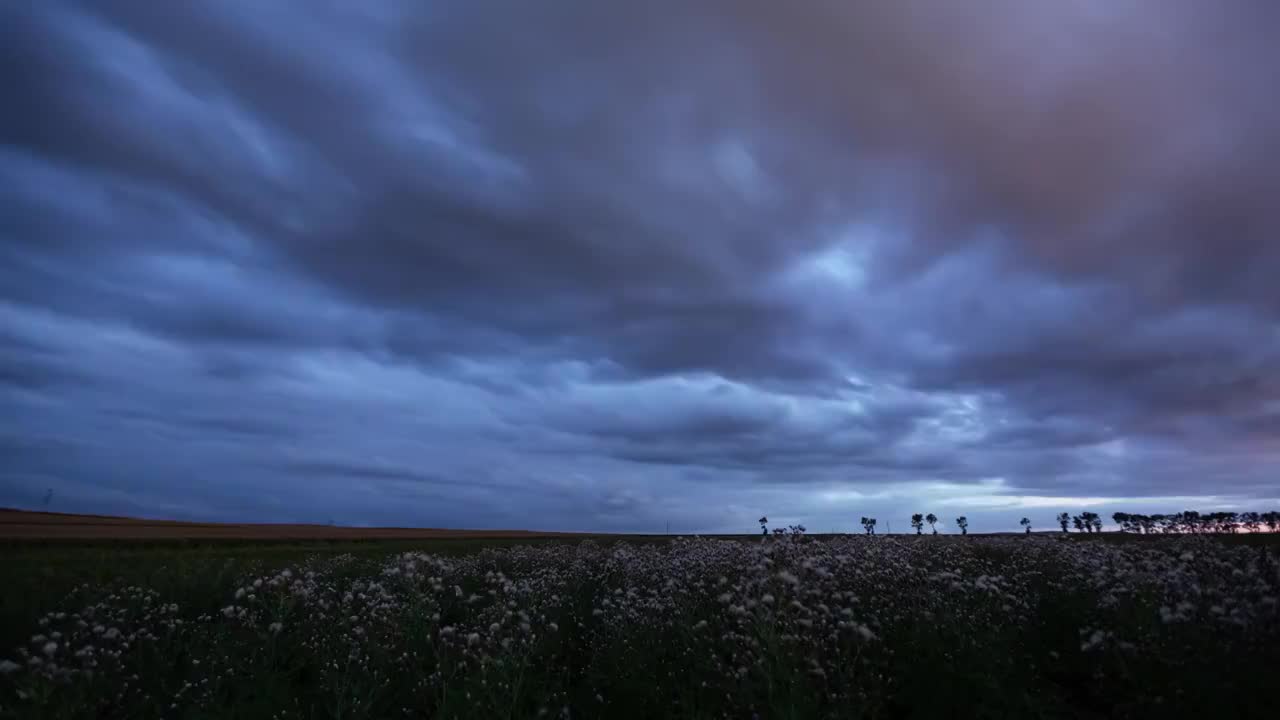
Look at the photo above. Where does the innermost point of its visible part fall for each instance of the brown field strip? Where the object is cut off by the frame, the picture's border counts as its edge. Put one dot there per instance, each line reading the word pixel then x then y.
pixel 24 525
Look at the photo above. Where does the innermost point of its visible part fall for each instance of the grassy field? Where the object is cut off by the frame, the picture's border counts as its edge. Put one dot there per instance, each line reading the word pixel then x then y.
pixel 900 626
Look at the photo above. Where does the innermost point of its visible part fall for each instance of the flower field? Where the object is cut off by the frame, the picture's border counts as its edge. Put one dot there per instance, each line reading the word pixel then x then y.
pixel 1038 626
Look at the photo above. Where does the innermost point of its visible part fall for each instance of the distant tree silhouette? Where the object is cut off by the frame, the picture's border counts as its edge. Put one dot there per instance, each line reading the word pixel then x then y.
pixel 1212 522
pixel 1124 520
pixel 1026 523
pixel 764 524
pixel 1092 522
pixel 1138 523
pixel 1187 521
pixel 962 522
pixel 1251 521
pixel 869 524
pixel 1063 520
pixel 1077 522
pixel 917 522
pixel 933 521
pixel 1226 522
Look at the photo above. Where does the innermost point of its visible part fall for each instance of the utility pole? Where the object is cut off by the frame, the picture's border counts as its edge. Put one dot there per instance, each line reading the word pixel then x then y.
pixel 668 527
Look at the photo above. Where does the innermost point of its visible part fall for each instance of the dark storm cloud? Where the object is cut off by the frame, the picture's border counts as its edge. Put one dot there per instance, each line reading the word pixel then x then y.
pixel 712 423
pixel 849 243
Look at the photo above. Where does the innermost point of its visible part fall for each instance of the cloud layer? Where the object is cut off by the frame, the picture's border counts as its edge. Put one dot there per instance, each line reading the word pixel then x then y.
pixel 578 267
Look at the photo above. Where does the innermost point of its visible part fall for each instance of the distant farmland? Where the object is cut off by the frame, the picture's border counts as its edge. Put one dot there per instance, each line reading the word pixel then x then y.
pixel 25 525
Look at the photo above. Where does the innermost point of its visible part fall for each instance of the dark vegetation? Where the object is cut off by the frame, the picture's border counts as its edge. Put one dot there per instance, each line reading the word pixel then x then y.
pixel 1083 626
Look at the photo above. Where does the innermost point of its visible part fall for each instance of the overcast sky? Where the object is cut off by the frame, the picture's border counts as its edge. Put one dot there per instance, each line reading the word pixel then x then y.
pixel 605 266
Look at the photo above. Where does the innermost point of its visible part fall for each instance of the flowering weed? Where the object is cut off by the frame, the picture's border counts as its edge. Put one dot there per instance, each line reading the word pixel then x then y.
pixel 860 626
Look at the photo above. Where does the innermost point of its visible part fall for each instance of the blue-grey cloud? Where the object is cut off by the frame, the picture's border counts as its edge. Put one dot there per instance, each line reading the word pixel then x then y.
pixel 592 267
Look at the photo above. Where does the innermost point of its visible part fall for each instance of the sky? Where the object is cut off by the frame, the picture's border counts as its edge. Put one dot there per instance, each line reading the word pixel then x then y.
pixel 638 266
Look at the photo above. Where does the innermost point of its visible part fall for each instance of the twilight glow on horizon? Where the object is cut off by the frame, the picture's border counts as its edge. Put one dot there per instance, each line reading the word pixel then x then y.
pixel 619 267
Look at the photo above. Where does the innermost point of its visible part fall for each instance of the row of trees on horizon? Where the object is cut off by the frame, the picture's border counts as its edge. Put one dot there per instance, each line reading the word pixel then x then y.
pixel 1188 521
